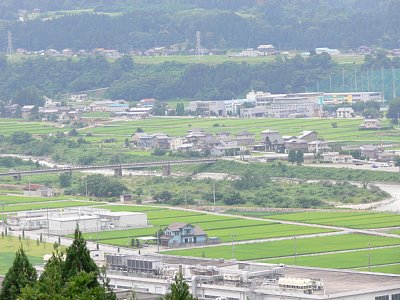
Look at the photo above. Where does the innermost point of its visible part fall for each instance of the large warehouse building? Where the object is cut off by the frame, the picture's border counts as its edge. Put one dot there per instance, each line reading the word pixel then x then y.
pixel 233 280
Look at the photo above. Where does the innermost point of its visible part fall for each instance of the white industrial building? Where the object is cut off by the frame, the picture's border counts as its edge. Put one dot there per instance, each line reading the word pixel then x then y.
pixel 352 97
pixel 284 105
pixel 233 280
pixel 64 221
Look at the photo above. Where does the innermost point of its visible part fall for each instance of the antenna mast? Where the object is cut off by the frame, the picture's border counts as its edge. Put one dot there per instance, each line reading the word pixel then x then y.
pixel 198 51
pixel 10 50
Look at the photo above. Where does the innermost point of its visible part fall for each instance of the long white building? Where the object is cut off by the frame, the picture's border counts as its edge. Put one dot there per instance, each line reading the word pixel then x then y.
pixel 64 221
pixel 283 105
pixel 233 280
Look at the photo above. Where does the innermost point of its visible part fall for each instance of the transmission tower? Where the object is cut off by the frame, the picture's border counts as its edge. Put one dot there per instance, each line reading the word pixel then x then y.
pixel 10 50
pixel 198 51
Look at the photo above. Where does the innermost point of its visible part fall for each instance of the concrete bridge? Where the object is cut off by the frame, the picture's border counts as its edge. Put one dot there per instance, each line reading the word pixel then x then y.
pixel 165 164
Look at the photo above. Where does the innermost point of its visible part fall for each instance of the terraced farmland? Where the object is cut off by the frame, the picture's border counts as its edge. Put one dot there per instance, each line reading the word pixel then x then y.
pixel 346 131
pixel 9 126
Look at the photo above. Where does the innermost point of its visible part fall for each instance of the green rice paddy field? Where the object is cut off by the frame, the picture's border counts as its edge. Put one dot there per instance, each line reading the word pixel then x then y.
pixel 9 245
pixel 9 126
pixel 347 130
pixel 273 249
pixel 222 227
pixel 18 199
pixel 45 205
pixel 349 260
pixel 357 220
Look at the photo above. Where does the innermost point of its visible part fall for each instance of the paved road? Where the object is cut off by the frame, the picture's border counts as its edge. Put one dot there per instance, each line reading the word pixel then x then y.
pixel 355 167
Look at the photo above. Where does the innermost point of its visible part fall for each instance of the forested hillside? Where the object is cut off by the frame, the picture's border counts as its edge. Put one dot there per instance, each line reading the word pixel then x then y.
pixel 25 82
pixel 302 24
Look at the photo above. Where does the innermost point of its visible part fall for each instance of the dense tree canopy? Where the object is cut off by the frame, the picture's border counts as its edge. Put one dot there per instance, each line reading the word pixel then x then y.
pixel 301 24
pixel 20 275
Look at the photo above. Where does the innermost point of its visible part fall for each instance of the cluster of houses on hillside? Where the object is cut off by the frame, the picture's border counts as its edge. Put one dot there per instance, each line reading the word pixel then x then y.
pixel 227 144
pixel 77 105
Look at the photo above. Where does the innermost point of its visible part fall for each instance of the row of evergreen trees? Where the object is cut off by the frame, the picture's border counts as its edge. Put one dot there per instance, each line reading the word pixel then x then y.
pixel 68 277
pixel 71 276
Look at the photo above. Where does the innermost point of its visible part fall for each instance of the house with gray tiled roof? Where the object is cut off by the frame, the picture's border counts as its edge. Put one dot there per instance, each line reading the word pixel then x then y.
pixel 178 234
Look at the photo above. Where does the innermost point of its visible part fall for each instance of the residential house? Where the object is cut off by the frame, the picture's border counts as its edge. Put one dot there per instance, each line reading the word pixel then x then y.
pixel 345 112
pixel 372 124
pixel 148 102
pixel 296 144
pixel 196 137
pixel 26 110
pixel 176 142
pixel 364 50
pixel 308 135
pixel 386 156
pixel 211 142
pixel 318 146
pixel 272 140
pixel 37 190
pixel 151 141
pixel 370 151
pixel 288 137
pixel 245 138
pixel 327 50
pixel 250 52
pixel 223 135
pixel 179 234
pixel 266 49
pixel 142 140
pixel 161 141
pixel 67 52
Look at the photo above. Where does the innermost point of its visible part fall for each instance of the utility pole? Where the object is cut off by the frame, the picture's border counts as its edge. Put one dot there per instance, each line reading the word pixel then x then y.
pixel 369 257
pixel 185 199
pixel 158 240
pixel 342 80
pixel 214 194
pixel 86 187
pixel 233 246
pixel 393 84
pixel 295 251
pixel 48 225
pixel 372 80
pixel 383 85
pixel 355 80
